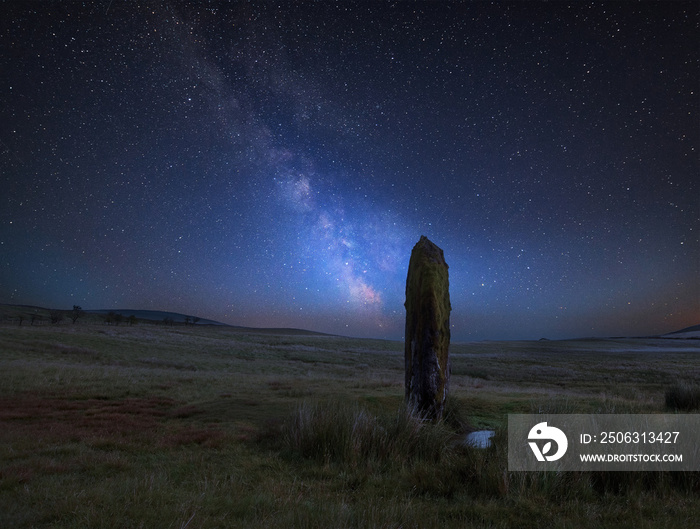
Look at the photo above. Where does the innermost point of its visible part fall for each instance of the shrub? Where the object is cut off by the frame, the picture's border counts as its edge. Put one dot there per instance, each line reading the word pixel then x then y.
pixel 347 434
pixel 683 397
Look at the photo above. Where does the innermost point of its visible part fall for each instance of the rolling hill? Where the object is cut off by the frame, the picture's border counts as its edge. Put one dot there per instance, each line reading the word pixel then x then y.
pixel 31 314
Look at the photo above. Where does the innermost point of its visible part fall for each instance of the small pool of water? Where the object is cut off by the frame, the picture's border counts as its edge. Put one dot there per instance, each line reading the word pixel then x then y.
pixel 480 438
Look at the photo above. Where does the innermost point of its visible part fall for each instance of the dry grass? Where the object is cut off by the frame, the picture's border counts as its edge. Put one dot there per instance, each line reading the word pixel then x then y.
pixel 207 427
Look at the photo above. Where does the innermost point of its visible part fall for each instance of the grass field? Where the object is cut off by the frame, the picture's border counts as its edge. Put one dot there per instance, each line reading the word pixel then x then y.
pixel 197 426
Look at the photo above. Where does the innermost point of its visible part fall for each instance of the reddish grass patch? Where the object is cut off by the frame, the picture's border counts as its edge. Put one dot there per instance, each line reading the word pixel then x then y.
pixel 183 412
pixel 103 424
pixel 18 473
pixel 62 419
pixel 193 435
pixel 14 474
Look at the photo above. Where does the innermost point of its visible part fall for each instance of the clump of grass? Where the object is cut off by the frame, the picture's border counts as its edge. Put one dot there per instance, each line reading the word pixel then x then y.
pixel 683 397
pixel 349 435
pixel 453 416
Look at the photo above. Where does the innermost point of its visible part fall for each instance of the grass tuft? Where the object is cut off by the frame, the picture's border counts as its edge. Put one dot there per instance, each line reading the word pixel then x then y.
pixel 683 397
pixel 347 434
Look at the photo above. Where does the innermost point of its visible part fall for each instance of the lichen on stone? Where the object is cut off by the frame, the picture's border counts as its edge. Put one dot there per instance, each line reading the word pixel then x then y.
pixel 427 344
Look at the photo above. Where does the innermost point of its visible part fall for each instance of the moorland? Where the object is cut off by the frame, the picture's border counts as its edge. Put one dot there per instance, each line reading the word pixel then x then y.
pixel 194 426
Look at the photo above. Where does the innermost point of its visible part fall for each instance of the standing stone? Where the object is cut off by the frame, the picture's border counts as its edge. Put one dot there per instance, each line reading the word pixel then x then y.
pixel 427 331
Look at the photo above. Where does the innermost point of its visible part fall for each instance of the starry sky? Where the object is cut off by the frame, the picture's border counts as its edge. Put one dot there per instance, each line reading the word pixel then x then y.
pixel 273 164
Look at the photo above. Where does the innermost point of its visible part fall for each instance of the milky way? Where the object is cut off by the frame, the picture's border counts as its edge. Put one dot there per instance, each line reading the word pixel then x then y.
pixel 274 165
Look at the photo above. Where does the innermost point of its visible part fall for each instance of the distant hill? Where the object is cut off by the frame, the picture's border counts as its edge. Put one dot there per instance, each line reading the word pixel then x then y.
pixel 156 315
pixel 688 332
pixel 176 317
pixel 30 313
pixel 13 312
pixel 694 328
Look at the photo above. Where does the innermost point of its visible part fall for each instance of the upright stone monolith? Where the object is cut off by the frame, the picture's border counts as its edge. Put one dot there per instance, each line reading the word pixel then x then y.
pixel 427 331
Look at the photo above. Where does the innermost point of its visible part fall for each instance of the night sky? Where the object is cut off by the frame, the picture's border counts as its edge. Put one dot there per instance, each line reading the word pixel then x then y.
pixel 273 165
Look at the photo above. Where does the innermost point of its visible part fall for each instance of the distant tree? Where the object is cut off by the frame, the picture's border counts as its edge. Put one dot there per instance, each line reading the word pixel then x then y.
pixel 118 318
pixel 76 313
pixel 108 318
pixel 21 319
pixel 132 319
pixel 187 320
pixel 34 317
pixel 195 320
pixel 168 321
pixel 56 316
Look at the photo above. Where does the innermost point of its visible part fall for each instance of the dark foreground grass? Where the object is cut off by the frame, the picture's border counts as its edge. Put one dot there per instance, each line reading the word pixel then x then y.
pixel 347 434
pixel 683 397
pixel 434 461
pixel 204 428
